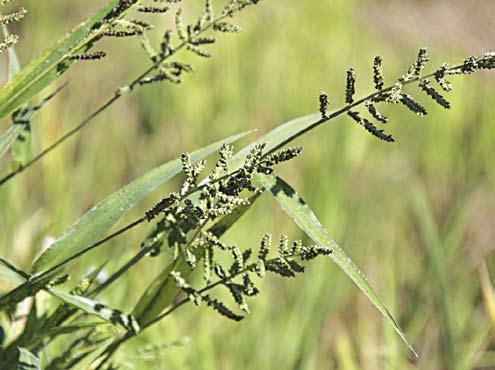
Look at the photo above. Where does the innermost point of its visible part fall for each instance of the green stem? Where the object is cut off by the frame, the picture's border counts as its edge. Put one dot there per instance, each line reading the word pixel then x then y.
pixel 116 96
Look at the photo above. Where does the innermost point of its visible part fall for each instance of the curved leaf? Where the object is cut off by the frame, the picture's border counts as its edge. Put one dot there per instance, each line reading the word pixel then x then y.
pixel 307 221
pixel 278 137
pixel 93 225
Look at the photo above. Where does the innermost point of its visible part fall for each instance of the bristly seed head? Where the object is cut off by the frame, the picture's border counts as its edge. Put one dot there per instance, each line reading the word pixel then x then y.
pixel 324 103
pixel 350 88
pixel 378 77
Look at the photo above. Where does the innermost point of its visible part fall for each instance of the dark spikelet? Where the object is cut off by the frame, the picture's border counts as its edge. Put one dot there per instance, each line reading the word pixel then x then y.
pixel 198 51
pixel 470 65
pixel 378 77
pixel 95 55
pixel 421 62
pixel 350 88
pixel 440 78
pixel 226 27
pixel 324 103
pixel 162 206
pixel 121 7
pixel 282 155
pixel 221 308
pixel 488 61
pixel 202 41
pixel 153 9
pixel 374 112
pixel 414 106
pixel 395 94
pixel 434 94
pixel 415 70
pixel 372 129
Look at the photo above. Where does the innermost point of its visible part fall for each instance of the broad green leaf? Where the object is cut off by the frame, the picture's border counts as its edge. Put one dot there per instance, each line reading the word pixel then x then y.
pixel 307 221
pixel 43 70
pixel 93 307
pixel 28 361
pixel 278 137
pixel 163 289
pixel 92 226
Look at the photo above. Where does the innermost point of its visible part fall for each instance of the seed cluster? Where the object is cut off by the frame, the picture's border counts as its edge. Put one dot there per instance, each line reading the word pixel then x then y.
pixel 14 17
pixel 324 103
pixel 237 278
pixel 396 95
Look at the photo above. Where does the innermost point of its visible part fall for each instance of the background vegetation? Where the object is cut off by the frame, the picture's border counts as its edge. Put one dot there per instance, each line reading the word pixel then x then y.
pixel 418 216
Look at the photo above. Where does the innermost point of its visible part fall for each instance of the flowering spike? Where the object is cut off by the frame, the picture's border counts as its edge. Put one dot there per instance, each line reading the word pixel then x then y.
pixel 324 103
pixel 378 77
pixel 350 89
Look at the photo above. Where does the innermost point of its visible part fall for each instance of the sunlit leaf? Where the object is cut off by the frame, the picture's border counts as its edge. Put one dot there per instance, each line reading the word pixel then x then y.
pixel 47 67
pixel 307 221
pixel 93 307
pixel 28 361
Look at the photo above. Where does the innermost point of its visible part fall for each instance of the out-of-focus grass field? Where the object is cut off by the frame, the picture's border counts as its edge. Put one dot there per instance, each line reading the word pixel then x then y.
pixel 418 216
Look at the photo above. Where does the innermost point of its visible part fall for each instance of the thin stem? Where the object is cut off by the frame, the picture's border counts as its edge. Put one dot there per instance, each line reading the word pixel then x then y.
pixel 200 187
pixel 91 247
pixel 107 104
pixel 117 274
pixel 350 106
pixel 46 274
pixel 115 345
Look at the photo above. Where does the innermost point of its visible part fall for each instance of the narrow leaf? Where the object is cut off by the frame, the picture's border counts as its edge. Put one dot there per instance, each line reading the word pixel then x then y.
pixel 21 148
pixel 93 307
pixel 11 273
pixel 93 225
pixel 28 361
pixel 21 125
pixel 307 221
pixel 8 138
pixel 278 137
pixel 43 70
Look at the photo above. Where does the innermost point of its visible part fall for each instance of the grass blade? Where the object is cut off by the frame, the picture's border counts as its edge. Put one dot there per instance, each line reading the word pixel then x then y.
pixel 21 128
pixel 21 147
pixel 11 273
pixel 47 67
pixel 92 226
pixel 93 307
pixel 8 138
pixel 278 137
pixel 307 221
pixel 28 361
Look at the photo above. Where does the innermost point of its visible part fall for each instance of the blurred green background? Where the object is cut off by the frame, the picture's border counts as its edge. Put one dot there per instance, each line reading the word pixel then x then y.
pixel 417 216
